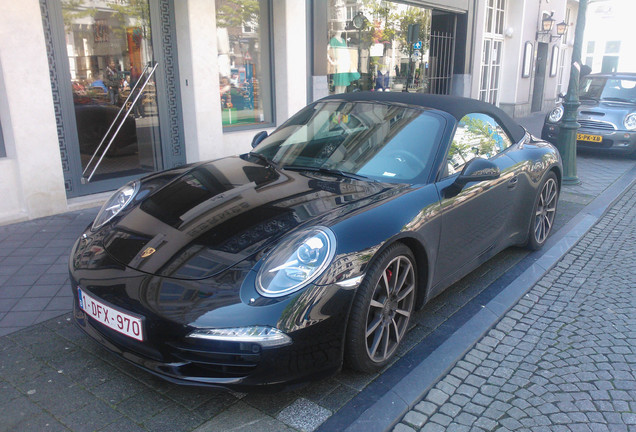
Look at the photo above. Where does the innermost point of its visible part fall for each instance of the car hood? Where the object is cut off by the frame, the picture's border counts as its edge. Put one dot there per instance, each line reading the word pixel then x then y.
pixel 607 111
pixel 217 214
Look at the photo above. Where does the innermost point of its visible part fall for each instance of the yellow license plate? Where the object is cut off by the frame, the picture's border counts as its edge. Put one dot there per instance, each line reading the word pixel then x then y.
pixel 586 137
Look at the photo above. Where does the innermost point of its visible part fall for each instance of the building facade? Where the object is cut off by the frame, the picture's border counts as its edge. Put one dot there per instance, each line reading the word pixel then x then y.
pixel 517 65
pixel 95 93
pixel 609 44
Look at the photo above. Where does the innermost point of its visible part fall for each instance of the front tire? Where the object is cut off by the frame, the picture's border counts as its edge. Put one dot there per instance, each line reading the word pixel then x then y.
pixel 543 212
pixel 381 310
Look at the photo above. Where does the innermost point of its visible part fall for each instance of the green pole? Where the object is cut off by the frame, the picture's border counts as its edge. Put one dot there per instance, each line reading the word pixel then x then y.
pixel 567 133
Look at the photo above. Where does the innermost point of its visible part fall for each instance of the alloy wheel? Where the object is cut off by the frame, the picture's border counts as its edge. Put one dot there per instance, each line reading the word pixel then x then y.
pixel 545 211
pixel 390 309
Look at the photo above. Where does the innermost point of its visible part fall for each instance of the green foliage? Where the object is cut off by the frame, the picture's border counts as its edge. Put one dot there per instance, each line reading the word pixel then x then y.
pixel 478 139
pixel 393 23
pixel 235 13
pixel 482 130
pixel 73 10
pixel 413 15
pixel 137 10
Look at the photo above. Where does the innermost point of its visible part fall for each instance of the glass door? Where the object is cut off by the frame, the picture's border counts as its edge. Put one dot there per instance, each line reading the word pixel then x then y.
pixel 110 61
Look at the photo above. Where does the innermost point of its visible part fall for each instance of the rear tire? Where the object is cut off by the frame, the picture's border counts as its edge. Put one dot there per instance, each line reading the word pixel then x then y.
pixel 543 212
pixel 381 310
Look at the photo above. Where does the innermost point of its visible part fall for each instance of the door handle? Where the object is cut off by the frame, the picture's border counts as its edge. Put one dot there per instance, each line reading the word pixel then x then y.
pixel 513 182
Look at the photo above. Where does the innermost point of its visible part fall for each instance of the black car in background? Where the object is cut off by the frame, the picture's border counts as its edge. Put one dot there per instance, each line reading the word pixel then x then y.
pixel 607 114
pixel 279 265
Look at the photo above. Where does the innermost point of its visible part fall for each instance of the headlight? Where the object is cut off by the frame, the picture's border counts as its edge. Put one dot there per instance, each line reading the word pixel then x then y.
pixel 296 262
pixel 116 203
pixel 262 335
pixel 556 115
pixel 630 121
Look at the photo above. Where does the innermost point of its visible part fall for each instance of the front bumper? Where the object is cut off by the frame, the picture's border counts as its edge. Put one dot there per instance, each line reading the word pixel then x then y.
pixel 618 142
pixel 231 365
pixel 314 318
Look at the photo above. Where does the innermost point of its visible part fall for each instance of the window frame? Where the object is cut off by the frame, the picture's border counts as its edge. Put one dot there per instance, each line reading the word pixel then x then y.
pixel 271 105
pixel 3 150
pixel 554 61
pixel 526 68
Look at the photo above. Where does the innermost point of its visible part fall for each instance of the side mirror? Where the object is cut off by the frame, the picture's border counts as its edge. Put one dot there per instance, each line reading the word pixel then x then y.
pixel 475 170
pixel 258 138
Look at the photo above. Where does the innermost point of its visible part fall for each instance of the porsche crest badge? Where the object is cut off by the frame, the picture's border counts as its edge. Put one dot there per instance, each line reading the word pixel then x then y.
pixel 147 252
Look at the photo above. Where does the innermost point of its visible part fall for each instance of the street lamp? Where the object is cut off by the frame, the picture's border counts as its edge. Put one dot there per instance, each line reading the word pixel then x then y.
pixel 359 22
pixel 567 133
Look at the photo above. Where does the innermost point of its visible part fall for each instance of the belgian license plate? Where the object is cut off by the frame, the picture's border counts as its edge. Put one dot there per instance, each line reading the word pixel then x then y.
pixel 119 321
pixel 586 137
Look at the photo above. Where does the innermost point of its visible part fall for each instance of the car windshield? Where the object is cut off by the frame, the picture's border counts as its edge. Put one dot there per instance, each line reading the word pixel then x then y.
pixel 611 89
pixel 384 142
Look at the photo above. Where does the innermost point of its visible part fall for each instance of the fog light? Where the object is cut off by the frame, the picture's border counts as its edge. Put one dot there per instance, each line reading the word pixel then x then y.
pixel 262 335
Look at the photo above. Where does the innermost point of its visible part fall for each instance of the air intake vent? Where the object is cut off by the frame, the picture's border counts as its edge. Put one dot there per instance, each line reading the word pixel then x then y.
pixel 592 124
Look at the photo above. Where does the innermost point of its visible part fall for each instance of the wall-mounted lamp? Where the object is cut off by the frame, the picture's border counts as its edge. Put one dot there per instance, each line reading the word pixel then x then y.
pixel 547 23
pixel 562 28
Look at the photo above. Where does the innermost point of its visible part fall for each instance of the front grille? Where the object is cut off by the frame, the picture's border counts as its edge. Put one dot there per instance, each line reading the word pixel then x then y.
pixel 606 143
pixel 225 359
pixel 594 124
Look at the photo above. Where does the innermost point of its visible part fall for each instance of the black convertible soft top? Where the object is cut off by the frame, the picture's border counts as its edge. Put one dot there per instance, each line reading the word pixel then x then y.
pixel 456 106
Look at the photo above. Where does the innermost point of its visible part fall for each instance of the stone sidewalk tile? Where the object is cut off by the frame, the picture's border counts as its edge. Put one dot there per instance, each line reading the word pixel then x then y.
pixel 564 357
pixel 34 268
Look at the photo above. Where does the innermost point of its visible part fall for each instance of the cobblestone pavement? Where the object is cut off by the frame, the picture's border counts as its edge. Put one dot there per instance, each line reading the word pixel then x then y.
pixel 564 358
pixel 53 377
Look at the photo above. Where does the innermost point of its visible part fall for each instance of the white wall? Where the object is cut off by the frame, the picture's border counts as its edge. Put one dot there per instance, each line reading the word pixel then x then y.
pixel 198 71
pixel 611 20
pixel 521 23
pixel 31 180
pixel 198 68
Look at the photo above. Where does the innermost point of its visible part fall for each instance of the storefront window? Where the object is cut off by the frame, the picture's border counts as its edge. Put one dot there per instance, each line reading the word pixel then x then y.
pixel 244 62
pixel 110 59
pixel 381 46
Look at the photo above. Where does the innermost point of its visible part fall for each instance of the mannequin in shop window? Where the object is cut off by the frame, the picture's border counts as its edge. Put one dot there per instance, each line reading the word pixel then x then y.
pixel 343 60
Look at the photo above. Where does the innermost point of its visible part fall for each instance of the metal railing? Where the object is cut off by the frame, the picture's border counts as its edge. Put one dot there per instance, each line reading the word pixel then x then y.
pixel 441 62
pixel 149 70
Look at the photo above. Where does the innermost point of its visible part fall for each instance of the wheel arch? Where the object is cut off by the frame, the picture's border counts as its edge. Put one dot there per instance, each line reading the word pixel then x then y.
pixel 422 258
pixel 557 171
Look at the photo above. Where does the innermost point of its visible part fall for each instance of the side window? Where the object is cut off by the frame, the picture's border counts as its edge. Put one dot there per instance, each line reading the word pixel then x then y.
pixel 477 135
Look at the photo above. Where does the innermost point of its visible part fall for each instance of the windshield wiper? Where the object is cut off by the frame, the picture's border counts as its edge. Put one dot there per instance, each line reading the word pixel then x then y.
pixel 331 171
pixel 265 159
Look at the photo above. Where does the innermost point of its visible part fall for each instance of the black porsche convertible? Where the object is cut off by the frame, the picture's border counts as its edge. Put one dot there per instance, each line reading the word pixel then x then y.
pixel 313 250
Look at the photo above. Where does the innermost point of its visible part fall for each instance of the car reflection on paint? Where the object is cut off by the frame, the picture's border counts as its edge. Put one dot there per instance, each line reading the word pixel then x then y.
pixel 313 250
pixel 607 114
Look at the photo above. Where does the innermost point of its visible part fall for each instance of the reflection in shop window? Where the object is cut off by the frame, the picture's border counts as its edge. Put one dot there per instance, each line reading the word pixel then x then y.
pixel 109 50
pixel 244 62
pixel 369 49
